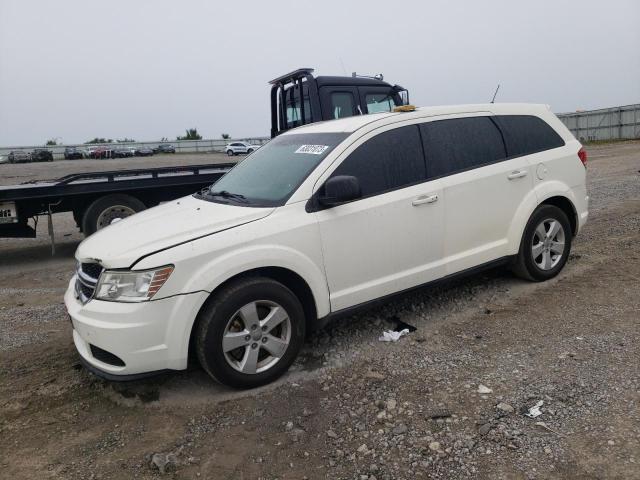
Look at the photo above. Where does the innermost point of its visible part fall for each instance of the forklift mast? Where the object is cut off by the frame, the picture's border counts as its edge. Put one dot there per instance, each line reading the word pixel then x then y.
pixel 299 98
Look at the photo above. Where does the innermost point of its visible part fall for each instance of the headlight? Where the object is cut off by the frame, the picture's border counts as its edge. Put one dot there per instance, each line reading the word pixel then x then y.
pixel 122 286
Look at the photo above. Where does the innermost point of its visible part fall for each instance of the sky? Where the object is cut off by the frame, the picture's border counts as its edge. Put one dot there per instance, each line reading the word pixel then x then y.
pixel 72 70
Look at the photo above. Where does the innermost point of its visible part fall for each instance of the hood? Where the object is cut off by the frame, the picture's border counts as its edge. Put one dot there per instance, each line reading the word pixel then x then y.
pixel 121 244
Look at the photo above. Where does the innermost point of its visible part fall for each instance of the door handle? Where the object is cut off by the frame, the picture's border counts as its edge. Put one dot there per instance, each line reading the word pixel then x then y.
pixel 517 174
pixel 422 199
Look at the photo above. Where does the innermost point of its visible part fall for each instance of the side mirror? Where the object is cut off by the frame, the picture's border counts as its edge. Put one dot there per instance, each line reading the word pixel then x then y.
pixel 339 190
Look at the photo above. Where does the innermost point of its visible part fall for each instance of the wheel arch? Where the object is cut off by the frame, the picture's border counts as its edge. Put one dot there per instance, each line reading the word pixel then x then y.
pixel 564 204
pixel 559 197
pixel 285 276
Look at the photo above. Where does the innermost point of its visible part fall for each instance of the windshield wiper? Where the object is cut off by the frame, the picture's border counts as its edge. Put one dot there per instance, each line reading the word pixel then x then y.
pixel 226 194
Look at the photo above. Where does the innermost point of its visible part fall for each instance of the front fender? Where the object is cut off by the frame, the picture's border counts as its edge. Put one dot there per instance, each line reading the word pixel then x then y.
pixel 213 274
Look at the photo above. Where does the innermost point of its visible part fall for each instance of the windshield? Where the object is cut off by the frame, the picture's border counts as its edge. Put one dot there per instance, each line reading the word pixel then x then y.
pixel 270 175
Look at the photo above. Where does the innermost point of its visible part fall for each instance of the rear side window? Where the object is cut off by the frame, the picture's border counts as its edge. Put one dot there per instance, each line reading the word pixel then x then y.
pixel 526 134
pixel 460 144
pixel 388 161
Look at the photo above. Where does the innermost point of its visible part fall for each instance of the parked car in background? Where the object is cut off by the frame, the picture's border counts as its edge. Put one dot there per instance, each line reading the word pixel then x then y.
pixel 236 273
pixel 42 155
pixel 4 159
pixel 144 152
pixel 122 152
pixel 19 156
pixel 164 148
pixel 240 147
pixel 100 152
pixel 73 153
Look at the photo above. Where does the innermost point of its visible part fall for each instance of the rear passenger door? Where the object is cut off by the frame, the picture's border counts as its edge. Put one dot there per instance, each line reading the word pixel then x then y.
pixel 390 239
pixel 482 188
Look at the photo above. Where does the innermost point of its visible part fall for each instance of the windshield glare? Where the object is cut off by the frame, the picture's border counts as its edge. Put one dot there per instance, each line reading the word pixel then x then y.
pixel 270 175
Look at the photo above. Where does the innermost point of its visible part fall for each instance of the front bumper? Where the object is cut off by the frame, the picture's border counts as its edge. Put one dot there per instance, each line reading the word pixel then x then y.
pixel 146 336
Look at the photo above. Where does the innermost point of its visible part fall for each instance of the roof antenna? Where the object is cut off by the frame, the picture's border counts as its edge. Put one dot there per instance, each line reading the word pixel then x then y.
pixel 344 70
pixel 495 93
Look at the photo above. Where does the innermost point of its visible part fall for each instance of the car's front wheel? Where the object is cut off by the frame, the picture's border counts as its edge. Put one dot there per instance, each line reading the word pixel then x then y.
pixel 545 244
pixel 250 332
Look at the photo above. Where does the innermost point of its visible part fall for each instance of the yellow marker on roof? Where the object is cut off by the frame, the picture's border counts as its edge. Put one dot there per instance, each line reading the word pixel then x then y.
pixel 405 108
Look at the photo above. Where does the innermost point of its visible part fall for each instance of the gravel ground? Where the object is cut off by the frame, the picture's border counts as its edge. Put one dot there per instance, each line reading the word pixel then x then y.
pixel 446 401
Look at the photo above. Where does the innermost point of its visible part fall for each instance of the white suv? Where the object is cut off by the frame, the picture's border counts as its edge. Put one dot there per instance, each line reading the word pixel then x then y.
pixel 240 147
pixel 322 220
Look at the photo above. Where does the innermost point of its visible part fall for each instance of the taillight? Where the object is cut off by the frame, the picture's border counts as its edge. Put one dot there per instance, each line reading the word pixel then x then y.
pixel 582 155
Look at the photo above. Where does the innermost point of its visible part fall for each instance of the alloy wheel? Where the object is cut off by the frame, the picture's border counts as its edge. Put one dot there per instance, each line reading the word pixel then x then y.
pixel 256 337
pixel 547 246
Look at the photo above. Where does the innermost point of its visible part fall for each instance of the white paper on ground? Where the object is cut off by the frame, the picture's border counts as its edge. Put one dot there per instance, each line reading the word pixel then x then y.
pixel 391 336
pixel 535 410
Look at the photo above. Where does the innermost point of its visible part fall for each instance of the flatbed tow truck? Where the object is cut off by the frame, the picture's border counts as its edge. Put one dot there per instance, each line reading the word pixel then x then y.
pixel 100 198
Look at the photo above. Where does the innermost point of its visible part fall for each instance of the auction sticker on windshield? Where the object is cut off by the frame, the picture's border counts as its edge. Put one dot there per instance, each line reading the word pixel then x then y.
pixel 312 149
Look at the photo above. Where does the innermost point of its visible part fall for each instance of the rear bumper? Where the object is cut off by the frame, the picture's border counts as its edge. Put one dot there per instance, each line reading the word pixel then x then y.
pixel 147 337
pixel 581 203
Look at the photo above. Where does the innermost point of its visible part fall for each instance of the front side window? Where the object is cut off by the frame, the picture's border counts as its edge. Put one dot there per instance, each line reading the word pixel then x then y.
pixel 459 144
pixel 342 104
pixel 379 102
pixel 270 175
pixel 390 160
pixel 526 134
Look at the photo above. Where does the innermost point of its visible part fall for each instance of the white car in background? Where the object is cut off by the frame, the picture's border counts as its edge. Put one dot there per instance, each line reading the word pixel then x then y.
pixel 235 148
pixel 326 219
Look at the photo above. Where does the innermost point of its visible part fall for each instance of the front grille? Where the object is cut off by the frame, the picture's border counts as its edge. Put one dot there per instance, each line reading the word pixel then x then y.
pixel 87 280
pixel 106 357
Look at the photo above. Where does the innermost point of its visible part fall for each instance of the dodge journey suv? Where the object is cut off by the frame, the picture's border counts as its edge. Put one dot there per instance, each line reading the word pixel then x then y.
pixel 322 220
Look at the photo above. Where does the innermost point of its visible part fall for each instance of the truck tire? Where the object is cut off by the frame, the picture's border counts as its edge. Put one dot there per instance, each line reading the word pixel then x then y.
pixel 103 211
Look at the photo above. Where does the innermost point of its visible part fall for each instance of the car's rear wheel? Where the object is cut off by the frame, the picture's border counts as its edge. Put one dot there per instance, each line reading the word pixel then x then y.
pixel 545 244
pixel 230 153
pixel 249 151
pixel 250 332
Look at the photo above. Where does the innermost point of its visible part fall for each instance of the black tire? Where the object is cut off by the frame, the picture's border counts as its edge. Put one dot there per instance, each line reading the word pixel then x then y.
pixel 90 219
pixel 230 153
pixel 250 151
pixel 526 266
pixel 221 308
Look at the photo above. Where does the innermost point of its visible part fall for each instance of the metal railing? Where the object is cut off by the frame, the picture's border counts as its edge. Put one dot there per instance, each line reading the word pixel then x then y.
pixel 181 146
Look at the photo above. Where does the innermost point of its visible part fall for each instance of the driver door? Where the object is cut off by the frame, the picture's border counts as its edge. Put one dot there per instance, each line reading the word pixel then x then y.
pixel 391 238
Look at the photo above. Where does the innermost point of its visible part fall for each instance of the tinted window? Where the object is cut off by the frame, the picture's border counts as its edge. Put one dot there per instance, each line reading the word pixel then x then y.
pixel 342 105
pixel 459 144
pixel 273 172
pixel 526 134
pixel 388 161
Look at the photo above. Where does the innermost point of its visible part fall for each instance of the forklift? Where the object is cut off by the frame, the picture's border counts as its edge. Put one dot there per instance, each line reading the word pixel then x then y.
pixel 299 98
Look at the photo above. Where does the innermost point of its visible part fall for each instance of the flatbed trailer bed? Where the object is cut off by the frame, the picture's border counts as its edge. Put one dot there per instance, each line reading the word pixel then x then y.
pixel 90 195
